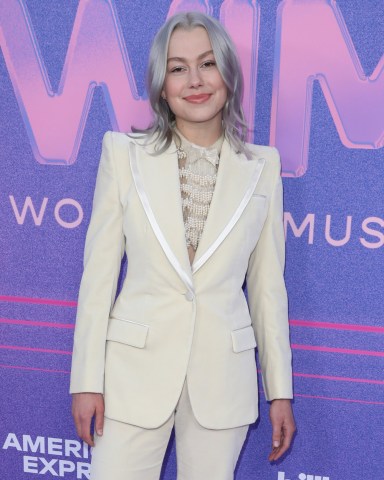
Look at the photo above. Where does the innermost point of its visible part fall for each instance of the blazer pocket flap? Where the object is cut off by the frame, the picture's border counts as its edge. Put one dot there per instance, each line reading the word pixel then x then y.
pixel 127 332
pixel 243 339
pixel 259 196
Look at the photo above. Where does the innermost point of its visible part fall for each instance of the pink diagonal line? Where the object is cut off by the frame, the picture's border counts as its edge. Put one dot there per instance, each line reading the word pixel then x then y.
pixel 337 326
pixel 34 323
pixel 38 301
pixel 336 399
pixel 347 351
pixel 339 379
pixel 19 367
pixel 333 399
pixel 30 349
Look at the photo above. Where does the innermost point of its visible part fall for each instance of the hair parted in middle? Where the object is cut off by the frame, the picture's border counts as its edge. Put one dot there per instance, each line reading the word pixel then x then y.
pixel 234 125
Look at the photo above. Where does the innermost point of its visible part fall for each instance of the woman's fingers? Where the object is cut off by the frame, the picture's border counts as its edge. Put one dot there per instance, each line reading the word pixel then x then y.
pixel 84 407
pixel 283 427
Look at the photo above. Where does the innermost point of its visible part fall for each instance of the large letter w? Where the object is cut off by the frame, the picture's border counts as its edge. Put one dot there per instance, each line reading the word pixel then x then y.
pixel 96 56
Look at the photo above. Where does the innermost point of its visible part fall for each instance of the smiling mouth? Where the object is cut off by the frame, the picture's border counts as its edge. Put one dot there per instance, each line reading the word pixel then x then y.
pixel 201 98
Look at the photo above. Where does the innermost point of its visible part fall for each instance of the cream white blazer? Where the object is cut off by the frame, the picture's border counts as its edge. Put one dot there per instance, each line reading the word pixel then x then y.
pixel 171 320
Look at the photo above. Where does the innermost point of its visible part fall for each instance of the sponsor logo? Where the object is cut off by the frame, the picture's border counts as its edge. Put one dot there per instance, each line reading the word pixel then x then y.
pixel 302 476
pixel 57 457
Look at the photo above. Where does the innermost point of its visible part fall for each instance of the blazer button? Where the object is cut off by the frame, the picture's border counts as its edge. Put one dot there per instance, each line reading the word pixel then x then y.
pixel 189 296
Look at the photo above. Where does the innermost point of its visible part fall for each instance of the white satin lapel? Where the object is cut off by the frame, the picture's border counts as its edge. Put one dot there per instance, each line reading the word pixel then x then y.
pixel 156 178
pixel 236 181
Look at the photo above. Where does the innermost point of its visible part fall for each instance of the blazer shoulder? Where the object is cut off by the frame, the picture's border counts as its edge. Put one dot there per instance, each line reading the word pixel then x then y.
pixel 119 138
pixel 265 151
pixel 117 143
pixel 269 154
pixel 142 141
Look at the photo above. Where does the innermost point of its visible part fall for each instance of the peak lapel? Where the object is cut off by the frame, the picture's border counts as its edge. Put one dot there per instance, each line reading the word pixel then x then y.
pixel 236 180
pixel 157 183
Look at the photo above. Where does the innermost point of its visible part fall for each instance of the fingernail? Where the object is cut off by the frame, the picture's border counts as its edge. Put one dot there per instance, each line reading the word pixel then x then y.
pixel 99 433
pixel 276 443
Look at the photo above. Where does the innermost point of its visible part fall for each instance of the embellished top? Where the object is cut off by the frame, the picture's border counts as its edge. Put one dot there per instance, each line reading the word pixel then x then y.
pixel 198 172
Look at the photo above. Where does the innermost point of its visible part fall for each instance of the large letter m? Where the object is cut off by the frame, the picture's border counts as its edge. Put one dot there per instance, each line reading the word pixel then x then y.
pixel 313 43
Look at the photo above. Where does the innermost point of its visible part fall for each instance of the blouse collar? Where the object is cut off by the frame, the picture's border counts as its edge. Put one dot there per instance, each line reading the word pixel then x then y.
pixel 194 152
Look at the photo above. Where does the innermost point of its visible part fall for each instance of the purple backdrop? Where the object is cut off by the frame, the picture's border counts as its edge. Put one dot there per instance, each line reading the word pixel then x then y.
pixel 70 70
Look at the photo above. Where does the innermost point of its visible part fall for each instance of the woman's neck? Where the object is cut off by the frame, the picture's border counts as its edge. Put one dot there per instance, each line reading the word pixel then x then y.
pixel 200 134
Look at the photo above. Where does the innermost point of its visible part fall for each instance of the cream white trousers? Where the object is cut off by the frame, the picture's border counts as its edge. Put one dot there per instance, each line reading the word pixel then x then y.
pixel 127 452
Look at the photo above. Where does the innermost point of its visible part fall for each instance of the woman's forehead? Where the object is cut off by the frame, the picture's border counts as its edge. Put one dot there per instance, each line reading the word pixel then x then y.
pixel 189 44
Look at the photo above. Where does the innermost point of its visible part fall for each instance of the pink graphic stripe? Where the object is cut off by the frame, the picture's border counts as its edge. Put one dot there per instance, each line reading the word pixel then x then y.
pixel 34 323
pixel 336 399
pixel 336 379
pixel 295 323
pixel 337 326
pixel 38 301
pixel 347 351
pixel 18 367
pixel 339 379
pixel 31 349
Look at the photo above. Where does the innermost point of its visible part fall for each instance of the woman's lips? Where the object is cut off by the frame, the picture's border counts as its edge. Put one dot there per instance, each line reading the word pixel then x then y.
pixel 201 98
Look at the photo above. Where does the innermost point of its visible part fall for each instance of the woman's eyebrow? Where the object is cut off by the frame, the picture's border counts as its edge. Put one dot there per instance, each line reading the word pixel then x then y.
pixel 182 59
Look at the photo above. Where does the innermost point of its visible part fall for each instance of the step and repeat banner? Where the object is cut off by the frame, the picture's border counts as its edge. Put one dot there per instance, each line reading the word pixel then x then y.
pixel 72 69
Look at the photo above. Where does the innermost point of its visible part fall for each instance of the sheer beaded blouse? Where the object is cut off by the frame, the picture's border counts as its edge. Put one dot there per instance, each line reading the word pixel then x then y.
pixel 198 172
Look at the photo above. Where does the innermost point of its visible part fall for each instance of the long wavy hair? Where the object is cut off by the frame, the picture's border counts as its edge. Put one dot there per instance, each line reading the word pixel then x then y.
pixel 234 125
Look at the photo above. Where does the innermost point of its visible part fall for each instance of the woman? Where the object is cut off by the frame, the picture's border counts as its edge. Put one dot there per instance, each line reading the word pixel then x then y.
pixel 197 211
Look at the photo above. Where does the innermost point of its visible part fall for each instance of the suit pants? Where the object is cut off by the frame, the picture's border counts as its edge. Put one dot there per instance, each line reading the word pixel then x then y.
pixel 128 452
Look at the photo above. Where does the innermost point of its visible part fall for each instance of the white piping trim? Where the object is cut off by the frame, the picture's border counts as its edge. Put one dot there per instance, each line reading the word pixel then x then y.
pixel 235 217
pixel 152 220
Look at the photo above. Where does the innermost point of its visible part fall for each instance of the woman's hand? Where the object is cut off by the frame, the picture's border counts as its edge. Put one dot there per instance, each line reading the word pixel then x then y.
pixel 283 427
pixel 85 406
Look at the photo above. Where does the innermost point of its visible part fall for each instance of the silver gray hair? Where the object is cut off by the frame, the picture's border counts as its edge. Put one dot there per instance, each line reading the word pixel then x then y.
pixel 235 127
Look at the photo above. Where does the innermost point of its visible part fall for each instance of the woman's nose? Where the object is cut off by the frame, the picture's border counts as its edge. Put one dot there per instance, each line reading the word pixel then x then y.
pixel 195 78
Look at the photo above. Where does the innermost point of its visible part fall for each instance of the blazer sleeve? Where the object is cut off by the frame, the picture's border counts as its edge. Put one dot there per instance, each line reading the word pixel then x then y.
pixel 267 297
pixel 104 247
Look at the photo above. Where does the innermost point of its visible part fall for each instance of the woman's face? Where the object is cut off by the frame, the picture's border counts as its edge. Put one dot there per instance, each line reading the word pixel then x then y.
pixel 193 86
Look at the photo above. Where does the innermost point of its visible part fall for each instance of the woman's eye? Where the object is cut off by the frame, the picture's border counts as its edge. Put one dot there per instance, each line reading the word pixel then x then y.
pixel 208 64
pixel 177 69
